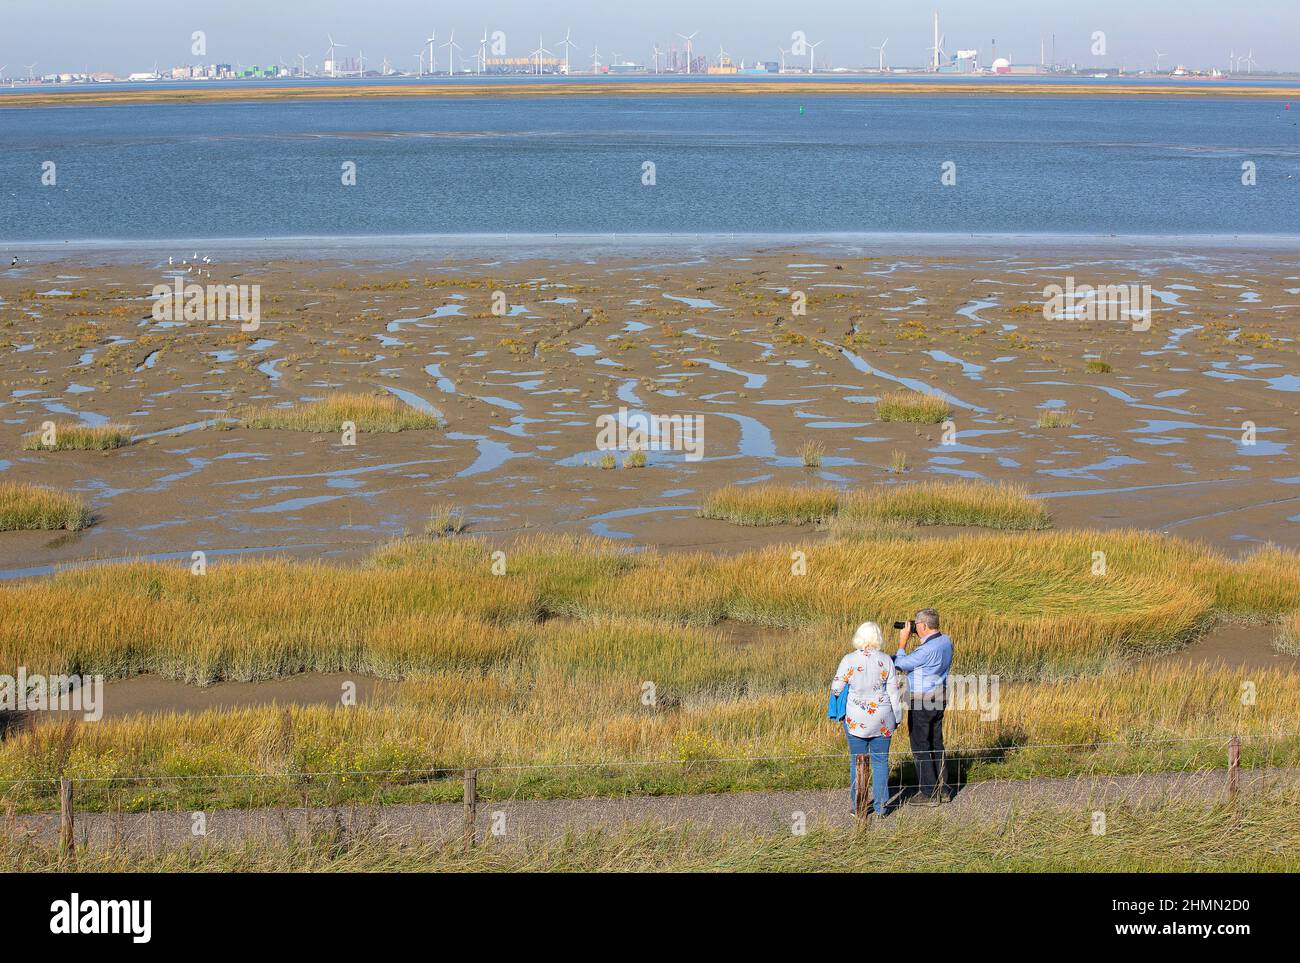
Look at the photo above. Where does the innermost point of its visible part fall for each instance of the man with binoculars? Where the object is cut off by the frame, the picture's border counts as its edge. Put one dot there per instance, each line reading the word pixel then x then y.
pixel 927 667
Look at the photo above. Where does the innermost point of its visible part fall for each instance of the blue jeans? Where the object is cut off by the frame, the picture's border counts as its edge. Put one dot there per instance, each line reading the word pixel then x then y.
pixel 877 748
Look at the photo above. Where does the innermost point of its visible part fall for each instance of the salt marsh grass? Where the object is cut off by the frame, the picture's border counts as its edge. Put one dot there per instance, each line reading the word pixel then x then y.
pixel 946 503
pixel 738 651
pixel 1288 636
pixel 1056 418
pixel 771 504
pixel 27 507
pixel 370 413
pixel 70 436
pixel 913 407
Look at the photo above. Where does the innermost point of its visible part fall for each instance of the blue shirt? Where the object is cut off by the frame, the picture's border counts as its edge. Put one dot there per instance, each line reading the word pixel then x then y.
pixel 928 664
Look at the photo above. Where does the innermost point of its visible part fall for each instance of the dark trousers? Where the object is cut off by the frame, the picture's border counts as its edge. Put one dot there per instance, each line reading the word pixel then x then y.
pixel 925 732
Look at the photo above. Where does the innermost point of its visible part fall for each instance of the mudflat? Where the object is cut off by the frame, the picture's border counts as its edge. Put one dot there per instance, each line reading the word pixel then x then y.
pixel 1185 427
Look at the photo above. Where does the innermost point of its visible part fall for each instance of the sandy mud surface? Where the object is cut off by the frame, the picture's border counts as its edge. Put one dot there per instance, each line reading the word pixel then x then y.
pixel 1162 441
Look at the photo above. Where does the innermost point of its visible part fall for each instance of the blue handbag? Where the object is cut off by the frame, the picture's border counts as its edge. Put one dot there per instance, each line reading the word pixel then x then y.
pixel 838 705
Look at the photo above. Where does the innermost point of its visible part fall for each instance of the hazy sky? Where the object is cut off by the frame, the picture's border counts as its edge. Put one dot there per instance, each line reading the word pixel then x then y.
pixel 125 35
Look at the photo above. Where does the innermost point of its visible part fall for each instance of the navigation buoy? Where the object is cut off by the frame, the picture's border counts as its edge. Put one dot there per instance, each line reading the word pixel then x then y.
pixel 801 109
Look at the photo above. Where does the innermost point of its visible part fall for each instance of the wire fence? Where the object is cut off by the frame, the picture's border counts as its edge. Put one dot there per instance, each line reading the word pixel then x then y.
pixel 473 803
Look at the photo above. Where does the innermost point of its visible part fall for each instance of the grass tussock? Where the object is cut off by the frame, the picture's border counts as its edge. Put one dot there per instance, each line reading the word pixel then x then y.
pixel 1056 418
pixel 445 521
pixel 913 407
pixel 370 413
pixel 959 503
pixel 1098 367
pixel 771 504
pixel 35 507
pixel 70 436
pixel 1288 636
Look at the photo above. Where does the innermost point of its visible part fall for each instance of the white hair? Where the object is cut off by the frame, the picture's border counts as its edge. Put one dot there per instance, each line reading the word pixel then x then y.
pixel 868 637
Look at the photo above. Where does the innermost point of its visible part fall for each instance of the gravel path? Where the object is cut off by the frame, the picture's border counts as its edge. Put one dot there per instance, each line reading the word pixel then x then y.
pixel 538 819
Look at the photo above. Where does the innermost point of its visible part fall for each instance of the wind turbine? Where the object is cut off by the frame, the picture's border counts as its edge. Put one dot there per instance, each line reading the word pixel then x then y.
pixel 568 45
pixel 938 52
pixel 812 56
pixel 419 55
pixel 429 40
pixel 1231 60
pixel 452 46
pixel 303 59
pixel 334 67
pixel 881 51
pixel 1159 55
pixel 482 52
pixel 361 65
pixel 30 67
pixel 656 51
pixel 538 54
pixel 688 48
pixel 1250 61
pixel 783 53
pixel 595 59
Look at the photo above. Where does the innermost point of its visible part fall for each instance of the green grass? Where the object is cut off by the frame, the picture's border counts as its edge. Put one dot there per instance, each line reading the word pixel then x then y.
pixel 36 507
pixel 370 413
pixel 1098 367
pixel 69 436
pixel 1169 837
pixel 913 407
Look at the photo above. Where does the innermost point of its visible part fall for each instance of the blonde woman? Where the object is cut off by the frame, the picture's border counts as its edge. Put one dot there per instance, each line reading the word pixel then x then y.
pixel 873 710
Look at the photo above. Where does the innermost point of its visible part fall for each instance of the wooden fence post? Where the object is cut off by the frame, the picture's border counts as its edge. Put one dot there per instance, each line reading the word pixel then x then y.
pixel 67 842
pixel 1234 766
pixel 861 792
pixel 471 806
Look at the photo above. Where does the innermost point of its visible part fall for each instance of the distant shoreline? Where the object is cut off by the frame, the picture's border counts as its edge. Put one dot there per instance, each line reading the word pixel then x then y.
pixel 362 249
pixel 476 89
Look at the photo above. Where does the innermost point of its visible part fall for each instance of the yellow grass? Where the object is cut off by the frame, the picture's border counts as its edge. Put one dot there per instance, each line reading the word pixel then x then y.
pixel 913 407
pixel 26 507
pixel 71 436
pixel 370 413
pixel 771 504
pixel 1288 636
pixel 1056 418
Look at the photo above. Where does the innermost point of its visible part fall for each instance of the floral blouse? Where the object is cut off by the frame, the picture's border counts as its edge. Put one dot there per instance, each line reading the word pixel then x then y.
pixel 874 707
